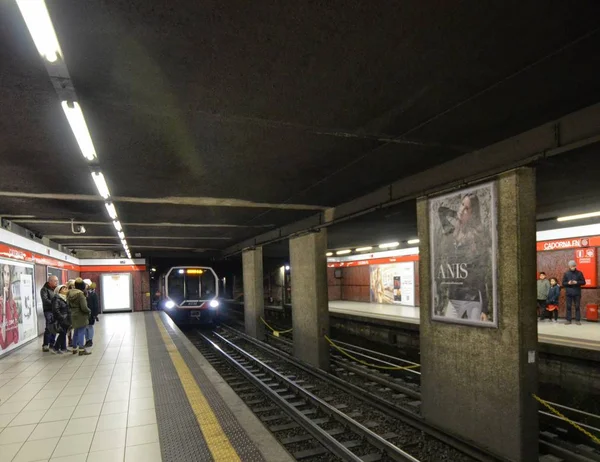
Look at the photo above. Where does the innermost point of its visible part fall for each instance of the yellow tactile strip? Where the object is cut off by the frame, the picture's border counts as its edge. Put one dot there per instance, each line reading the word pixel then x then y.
pixel 216 439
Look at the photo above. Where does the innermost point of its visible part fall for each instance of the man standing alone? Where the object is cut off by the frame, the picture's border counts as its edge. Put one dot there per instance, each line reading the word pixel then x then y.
pixel 572 281
pixel 543 288
pixel 47 294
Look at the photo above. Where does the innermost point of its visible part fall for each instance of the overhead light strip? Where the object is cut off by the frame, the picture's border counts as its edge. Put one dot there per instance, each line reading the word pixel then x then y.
pixel 37 19
pixel 581 216
pixel 80 130
pixel 40 27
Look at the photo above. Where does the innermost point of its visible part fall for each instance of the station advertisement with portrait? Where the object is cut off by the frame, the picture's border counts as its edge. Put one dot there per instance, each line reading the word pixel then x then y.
pixel 393 284
pixel 18 319
pixel 464 236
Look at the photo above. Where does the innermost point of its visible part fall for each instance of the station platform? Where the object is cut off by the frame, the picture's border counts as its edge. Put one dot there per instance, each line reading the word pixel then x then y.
pixel 144 394
pixel 586 336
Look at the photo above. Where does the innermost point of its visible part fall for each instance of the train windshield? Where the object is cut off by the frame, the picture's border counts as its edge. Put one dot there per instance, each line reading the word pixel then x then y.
pixel 189 285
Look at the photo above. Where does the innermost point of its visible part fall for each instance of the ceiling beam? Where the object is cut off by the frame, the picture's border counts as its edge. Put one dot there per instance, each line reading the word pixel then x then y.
pixel 32 219
pixel 116 238
pixel 169 200
pixel 573 131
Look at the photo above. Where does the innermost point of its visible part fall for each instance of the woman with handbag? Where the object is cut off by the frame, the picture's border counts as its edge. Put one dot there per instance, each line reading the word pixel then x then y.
pixel 62 318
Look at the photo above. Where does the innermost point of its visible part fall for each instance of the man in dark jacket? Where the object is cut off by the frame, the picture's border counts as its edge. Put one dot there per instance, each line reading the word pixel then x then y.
pixel 572 281
pixel 47 294
pixel 94 306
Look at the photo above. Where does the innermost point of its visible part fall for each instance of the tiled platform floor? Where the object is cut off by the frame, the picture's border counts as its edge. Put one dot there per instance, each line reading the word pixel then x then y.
pixel 97 408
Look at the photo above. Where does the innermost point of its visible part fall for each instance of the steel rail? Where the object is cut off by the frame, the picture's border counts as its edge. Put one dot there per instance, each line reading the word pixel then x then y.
pixel 409 418
pixel 373 438
pixel 330 443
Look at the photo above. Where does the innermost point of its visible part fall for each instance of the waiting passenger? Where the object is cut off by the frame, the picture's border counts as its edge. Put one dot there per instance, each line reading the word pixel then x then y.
pixel 572 281
pixel 94 306
pixel 47 294
pixel 543 287
pixel 552 300
pixel 70 285
pixel 79 316
pixel 62 315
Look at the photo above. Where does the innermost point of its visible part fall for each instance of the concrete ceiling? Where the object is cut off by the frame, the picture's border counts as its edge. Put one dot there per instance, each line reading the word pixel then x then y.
pixel 215 121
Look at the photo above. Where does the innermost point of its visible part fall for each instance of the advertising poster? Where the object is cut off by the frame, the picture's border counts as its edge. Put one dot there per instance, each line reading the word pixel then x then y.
pixel 116 292
pixel 393 284
pixel 18 318
pixel 463 256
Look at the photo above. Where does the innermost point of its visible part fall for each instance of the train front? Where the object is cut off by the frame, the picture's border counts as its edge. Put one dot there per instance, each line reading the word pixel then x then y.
pixel 191 295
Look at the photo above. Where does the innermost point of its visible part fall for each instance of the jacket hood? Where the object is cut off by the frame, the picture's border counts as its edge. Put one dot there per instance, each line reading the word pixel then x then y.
pixel 73 294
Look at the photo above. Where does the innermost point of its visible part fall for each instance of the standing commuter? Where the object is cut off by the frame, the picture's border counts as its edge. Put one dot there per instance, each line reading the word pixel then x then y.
pixel 552 300
pixel 79 316
pixel 70 285
pixel 62 315
pixel 94 306
pixel 47 294
pixel 572 281
pixel 543 287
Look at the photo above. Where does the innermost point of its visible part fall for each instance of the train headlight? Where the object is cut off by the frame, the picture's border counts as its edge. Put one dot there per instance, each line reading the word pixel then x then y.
pixel 214 303
pixel 170 304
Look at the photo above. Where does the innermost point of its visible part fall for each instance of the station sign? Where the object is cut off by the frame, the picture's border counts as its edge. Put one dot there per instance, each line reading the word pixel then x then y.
pixel 572 243
pixel 587 264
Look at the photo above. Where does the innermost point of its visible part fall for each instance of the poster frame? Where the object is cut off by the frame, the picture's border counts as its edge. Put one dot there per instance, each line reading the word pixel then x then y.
pixel 493 228
pixel 103 286
pixel 34 301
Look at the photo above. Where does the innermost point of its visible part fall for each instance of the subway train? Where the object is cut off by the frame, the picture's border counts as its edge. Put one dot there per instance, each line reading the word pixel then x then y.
pixel 190 295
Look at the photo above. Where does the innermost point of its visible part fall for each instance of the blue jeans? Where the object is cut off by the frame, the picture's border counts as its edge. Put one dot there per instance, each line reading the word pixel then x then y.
pixel 89 333
pixel 48 337
pixel 79 337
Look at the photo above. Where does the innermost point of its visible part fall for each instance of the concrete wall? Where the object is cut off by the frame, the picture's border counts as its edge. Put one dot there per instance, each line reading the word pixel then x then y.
pixel 252 266
pixel 476 382
pixel 310 316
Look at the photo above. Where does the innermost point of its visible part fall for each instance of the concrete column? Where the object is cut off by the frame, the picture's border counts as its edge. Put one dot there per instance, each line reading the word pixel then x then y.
pixel 254 302
pixel 310 310
pixel 477 382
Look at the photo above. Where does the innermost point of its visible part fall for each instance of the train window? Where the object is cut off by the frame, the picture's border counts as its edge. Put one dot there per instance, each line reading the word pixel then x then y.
pixel 191 284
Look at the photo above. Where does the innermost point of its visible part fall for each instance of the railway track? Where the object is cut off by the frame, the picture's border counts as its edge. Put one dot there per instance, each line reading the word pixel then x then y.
pixel 315 418
pixel 559 440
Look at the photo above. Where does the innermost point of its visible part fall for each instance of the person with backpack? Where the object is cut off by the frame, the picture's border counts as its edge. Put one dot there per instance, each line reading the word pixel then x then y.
pixel 79 316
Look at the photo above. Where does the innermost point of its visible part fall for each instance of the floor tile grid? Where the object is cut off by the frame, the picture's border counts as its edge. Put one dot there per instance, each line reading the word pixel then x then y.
pixel 126 353
pixel 71 363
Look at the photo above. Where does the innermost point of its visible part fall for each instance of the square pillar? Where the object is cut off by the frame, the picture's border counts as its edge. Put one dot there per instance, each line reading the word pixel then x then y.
pixel 254 302
pixel 477 381
pixel 310 312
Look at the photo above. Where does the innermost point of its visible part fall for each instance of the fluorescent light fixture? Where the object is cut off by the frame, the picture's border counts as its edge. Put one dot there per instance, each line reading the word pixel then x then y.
pixel 124 242
pixel 329 254
pixel 414 241
pixel 112 211
pixel 80 130
pixel 363 249
pixel 581 216
pixel 117 225
pixel 101 185
pixel 389 245
pixel 121 235
pixel 343 252
pixel 40 27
